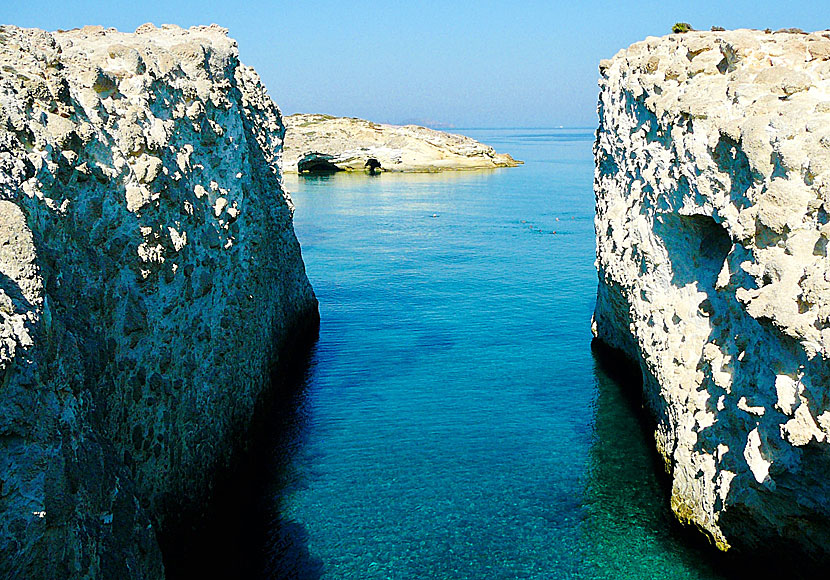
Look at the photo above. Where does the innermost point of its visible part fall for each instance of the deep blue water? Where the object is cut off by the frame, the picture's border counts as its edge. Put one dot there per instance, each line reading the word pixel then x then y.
pixel 454 422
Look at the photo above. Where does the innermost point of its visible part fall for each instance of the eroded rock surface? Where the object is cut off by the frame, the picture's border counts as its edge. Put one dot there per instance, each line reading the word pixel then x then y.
pixel 349 143
pixel 713 205
pixel 148 272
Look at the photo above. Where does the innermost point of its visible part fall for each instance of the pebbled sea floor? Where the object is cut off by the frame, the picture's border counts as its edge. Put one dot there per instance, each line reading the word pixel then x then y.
pixel 452 420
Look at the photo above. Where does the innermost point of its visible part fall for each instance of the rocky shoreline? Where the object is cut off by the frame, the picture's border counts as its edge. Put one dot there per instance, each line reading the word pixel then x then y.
pixel 712 172
pixel 150 280
pixel 347 144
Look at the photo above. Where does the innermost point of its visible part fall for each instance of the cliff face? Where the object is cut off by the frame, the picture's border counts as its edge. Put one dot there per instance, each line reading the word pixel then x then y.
pixel 148 273
pixel 713 209
pixel 351 142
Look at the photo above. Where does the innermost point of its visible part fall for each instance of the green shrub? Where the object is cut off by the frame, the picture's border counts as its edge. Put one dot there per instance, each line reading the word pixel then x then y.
pixel 680 27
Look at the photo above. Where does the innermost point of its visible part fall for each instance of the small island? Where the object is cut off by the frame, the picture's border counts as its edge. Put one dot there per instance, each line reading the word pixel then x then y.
pixel 347 144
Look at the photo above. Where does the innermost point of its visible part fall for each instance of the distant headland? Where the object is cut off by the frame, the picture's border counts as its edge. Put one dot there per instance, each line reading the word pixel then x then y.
pixel 323 142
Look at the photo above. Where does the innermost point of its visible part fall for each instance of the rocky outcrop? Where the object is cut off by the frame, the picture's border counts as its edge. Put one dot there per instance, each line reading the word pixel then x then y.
pixel 349 143
pixel 713 201
pixel 148 274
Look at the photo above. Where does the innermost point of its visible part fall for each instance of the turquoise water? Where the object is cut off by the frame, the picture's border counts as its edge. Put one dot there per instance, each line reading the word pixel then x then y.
pixel 453 421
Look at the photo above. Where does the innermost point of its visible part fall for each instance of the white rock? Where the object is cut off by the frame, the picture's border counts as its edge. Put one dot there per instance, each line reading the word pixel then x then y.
pixel 137 326
pixel 712 182
pixel 352 142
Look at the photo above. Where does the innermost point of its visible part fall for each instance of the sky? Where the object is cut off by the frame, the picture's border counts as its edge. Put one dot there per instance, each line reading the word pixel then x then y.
pixel 450 64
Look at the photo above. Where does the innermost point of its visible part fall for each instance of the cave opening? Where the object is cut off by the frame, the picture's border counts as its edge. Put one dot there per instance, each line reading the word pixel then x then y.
pixel 697 246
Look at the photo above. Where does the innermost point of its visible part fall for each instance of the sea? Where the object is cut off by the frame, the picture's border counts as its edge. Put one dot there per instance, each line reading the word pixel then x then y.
pixel 452 420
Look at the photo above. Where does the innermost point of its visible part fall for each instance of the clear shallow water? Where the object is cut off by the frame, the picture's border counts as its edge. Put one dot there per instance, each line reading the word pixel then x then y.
pixel 454 422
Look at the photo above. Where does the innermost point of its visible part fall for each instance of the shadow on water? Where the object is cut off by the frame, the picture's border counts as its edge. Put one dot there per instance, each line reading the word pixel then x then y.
pixel 629 528
pixel 233 539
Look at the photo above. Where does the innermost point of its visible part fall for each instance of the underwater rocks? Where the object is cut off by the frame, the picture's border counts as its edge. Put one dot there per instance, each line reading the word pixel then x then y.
pixel 149 274
pixel 348 144
pixel 713 201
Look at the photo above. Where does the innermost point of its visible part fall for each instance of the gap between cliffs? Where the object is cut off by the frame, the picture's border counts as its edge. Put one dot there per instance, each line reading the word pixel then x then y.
pixel 226 536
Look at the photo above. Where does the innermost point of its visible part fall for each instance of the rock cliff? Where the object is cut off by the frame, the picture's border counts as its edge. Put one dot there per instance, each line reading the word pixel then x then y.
pixel 149 273
pixel 349 143
pixel 713 217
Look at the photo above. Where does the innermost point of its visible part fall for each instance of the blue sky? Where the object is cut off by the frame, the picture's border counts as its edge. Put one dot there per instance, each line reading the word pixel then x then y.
pixel 476 64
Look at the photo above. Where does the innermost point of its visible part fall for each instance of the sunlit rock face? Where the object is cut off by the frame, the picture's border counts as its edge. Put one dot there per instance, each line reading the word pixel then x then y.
pixel 713 195
pixel 347 144
pixel 149 273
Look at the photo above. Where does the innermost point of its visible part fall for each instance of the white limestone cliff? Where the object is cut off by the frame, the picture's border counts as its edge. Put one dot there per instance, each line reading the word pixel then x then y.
pixel 350 142
pixel 149 273
pixel 713 216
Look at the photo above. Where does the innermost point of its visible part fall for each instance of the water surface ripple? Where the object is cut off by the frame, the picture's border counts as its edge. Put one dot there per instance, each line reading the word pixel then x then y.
pixel 455 423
